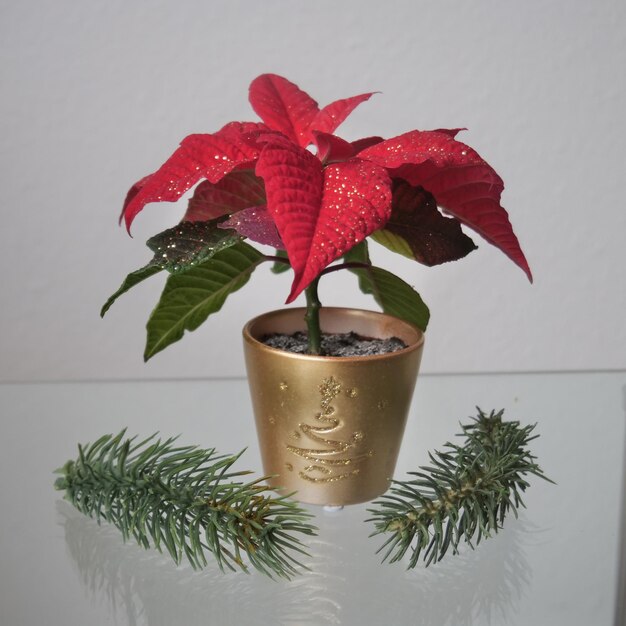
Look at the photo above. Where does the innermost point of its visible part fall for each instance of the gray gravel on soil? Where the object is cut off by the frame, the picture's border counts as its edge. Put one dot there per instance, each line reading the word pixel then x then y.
pixel 340 344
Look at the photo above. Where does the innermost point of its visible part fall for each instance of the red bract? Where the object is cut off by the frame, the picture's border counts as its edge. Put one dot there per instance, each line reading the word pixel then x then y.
pixel 286 108
pixel 324 204
pixel 462 183
pixel 320 212
pixel 199 156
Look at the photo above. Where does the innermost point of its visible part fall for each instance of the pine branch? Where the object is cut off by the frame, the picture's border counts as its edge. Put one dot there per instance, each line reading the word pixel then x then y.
pixel 464 495
pixel 188 501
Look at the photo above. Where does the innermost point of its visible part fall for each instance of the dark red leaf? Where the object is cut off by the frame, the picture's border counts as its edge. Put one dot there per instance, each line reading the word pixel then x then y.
pixel 432 238
pixel 332 148
pixel 257 224
pixel 209 156
pixel 236 191
pixel 365 142
pixel 283 106
pixel 462 183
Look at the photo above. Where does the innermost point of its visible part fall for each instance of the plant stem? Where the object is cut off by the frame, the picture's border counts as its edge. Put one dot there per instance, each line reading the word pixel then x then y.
pixel 312 318
pixel 276 259
pixel 345 266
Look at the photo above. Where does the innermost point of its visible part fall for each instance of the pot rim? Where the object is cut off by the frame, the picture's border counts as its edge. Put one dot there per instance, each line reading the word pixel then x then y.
pixel 413 345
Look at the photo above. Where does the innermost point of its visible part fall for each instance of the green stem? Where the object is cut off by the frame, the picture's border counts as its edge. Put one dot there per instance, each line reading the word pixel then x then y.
pixel 276 259
pixel 312 317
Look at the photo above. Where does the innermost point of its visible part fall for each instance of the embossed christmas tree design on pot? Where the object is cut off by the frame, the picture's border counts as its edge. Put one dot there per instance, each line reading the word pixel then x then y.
pixel 336 459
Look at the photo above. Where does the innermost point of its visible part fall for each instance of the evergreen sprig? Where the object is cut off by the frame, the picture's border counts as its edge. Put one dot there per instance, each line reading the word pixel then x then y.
pixel 187 500
pixel 464 495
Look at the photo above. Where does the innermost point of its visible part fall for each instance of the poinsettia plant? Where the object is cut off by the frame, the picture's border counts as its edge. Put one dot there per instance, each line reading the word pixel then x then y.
pixel 289 182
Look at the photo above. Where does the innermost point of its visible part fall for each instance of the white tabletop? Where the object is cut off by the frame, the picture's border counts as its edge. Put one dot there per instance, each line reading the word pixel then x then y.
pixel 556 565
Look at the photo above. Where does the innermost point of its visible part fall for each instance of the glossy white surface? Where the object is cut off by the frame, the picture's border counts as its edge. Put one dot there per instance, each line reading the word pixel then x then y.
pixel 556 565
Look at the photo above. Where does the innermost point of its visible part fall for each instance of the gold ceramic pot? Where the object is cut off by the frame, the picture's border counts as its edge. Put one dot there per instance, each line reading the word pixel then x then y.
pixel 330 428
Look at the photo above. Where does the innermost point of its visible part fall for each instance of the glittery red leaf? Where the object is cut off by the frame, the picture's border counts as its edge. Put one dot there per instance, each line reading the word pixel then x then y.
pixel 283 106
pixel 236 191
pixel 293 187
pixel 257 224
pixel 356 201
pixel 320 213
pixel 417 146
pixel 209 156
pixel 333 114
pixel 462 183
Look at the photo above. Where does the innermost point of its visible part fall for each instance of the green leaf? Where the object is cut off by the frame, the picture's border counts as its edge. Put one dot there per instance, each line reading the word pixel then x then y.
pixel 391 293
pixel 190 297
pixel 358 254
pixel 190 243
pixel 177 250
pixel 129 282
pixel 393 242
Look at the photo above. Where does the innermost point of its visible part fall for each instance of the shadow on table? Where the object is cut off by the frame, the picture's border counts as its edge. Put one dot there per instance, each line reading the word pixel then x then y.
pixel 483 586
pixel 344 587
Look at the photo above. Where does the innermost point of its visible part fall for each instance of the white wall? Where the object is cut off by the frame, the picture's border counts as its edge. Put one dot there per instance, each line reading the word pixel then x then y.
pixel 97 94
